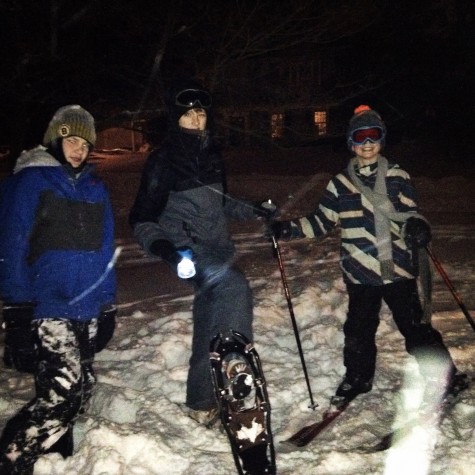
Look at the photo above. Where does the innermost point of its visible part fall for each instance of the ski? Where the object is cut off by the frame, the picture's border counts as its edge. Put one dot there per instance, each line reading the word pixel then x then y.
pixel 243 403
pixel 308 433
pixel 436 414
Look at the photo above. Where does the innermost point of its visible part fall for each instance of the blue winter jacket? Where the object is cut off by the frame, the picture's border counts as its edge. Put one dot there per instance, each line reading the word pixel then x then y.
pixel 56 239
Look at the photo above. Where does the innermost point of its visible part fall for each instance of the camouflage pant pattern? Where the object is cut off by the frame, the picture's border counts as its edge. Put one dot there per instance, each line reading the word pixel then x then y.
pixel 64 380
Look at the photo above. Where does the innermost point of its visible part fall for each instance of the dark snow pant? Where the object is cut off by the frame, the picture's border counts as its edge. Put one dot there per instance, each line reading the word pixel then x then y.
pixel 19 350
pixel 422 340
pixel 223 301
pixel 64 379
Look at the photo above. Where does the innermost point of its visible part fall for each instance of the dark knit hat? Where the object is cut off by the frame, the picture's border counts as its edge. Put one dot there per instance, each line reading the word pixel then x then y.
pixel 70 120
pixel 364 118
pixel 186 94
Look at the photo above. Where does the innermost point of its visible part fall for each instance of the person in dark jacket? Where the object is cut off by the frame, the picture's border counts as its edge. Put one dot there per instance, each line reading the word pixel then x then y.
pixel 56 272
pixel 181 210
pixel 382 252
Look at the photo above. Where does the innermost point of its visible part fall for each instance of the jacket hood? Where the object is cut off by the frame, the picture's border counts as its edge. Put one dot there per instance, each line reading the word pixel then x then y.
pixel 35 157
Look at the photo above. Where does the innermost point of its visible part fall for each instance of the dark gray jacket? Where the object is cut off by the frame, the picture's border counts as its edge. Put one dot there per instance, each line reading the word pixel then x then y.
pixel 182 197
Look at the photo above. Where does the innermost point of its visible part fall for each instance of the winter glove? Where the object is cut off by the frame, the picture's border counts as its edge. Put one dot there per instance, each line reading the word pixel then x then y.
pixel 20 349
pixel 417 233
pixel 164 249
pixel 280 230
pixel 105 326
pixel 265 210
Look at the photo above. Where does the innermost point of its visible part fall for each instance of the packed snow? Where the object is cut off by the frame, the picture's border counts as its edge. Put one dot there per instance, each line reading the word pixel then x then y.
pixel 137 424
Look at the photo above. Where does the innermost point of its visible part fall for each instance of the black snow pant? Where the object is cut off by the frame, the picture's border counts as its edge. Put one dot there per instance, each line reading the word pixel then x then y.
pixel 64 380
pixel 223 301
pixel 421 339
pixel 19 350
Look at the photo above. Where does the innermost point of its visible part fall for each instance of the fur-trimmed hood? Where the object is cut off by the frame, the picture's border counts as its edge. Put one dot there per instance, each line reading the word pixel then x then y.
pixel 35 157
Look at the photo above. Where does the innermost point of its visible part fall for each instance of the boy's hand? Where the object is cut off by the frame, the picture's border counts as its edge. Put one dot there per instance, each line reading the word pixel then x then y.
pixel 280 230
pixel 266 210
pixel 417 233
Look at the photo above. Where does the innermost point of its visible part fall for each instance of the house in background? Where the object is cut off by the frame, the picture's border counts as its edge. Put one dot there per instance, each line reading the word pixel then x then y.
pixel 289 100
pixel 120 137
pixel 137 133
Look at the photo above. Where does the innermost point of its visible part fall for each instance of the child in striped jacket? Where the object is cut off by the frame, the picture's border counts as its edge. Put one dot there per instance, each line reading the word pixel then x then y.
pixel 382 253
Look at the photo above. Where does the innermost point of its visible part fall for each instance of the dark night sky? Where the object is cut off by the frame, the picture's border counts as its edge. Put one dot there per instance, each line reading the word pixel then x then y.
pixel 101 53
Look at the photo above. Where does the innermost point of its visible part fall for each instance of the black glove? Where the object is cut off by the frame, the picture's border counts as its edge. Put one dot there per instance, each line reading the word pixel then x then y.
pixel 417 233
pixel 20 349
pixel 105 327
pixel 280 230
pixel 164 249
pixel 266 210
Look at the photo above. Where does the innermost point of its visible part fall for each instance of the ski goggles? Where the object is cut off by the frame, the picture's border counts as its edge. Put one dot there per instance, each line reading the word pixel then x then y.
pixel 361 136
pixel 193 98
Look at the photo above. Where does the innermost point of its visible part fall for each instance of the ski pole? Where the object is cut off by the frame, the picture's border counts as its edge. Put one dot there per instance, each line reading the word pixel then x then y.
pixel 451 287
pixel 292 317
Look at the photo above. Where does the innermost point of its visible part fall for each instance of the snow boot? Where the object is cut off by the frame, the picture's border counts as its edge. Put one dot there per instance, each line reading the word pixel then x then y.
pixel 458 383
pixel 208 418
pixel 349 388
pixel 64 445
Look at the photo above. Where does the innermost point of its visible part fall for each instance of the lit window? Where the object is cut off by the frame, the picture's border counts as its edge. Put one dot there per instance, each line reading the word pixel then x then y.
pixel 320 121
pixel 277 126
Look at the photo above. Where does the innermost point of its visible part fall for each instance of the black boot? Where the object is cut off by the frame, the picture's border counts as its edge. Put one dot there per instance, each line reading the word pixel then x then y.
pixel 350 387
pixel 8 468
pixel 64 445
pixel 457 382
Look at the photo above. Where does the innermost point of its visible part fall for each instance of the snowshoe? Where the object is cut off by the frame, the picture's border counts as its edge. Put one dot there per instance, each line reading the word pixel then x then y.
pixel 243 403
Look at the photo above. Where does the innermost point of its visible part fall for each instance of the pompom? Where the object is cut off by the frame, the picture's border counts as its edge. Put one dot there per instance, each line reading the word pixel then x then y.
pixel 362 108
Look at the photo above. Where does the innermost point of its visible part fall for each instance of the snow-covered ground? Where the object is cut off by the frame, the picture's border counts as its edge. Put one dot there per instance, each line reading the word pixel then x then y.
pixel 136 423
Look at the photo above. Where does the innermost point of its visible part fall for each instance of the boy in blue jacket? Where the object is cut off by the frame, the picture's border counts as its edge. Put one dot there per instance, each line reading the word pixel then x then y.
pixel 56 256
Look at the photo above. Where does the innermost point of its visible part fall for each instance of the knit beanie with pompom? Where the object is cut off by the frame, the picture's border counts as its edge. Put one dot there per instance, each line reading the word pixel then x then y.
pixel 364 118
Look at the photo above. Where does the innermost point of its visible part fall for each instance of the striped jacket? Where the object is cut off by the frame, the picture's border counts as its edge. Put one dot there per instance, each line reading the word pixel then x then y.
pixel 344 206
